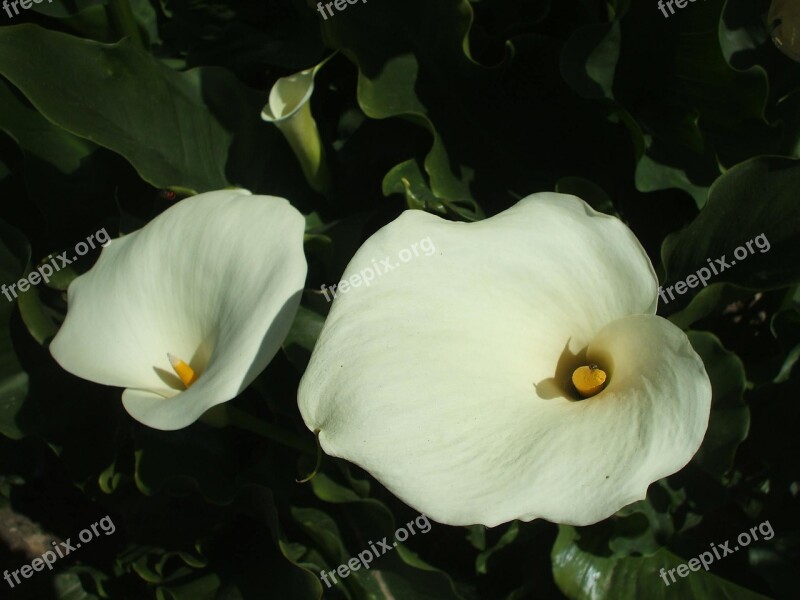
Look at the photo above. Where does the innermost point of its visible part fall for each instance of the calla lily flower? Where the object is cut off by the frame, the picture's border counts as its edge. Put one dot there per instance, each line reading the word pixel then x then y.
pixel 187 311
pixel 520 372
pixel 289 108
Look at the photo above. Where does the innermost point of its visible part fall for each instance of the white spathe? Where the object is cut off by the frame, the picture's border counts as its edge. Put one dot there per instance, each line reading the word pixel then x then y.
pixel 215 280
pixel 289 109
pixel 447 378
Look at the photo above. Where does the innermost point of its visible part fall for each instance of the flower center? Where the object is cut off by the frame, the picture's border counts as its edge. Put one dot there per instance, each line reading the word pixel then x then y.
pixel 184 371
pixel 588 380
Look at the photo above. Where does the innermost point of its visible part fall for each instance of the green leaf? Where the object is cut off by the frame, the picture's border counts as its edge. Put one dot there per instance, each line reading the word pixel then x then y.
pixel 784 24
pixel 678 61
pixel 497 132
pixel 708 300
pixel 590 57
pixel 14 254
pixel 193 459
pixel 407 179
pixel 730 417
pixel 702 305
pixel 302 336
pixel 90 18
pixel 391 93
pixel 70 179
pixel 38 137
pixel 205 587
pixel 581 574
pixel 68 586
pixel 641 528
pixel 396 573
pixel 147 19
pixel 482 561
pixel 405 573
pixel 233 35
pixel 776 412
pixel 40 321
pixel 476 535
pixel 199 129
pixel 785 326
pixel 652 176
pixel 755 198
pixel 589 192
pixel 328 490
pixel 699 113
pixel 66 9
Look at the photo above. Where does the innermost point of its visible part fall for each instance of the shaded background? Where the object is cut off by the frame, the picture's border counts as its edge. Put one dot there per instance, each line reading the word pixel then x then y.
pixel 685 127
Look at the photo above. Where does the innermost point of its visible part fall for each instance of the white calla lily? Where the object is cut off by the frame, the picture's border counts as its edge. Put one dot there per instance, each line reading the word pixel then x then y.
pixel 449 379
pixel 289 109
pixel 214 281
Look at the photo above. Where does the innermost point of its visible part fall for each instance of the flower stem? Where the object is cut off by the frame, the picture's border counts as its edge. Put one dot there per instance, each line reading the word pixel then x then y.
pixel 313 473
pixel 123 21
pixel 226 415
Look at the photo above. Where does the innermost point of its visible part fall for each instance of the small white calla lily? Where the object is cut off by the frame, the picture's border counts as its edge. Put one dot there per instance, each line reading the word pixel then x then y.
pixel 289 108
pixel 214 282
pixel 449 379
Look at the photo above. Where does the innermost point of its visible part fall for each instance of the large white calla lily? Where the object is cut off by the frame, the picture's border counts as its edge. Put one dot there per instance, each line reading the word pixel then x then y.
pixel 214 281
pixel 450 377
